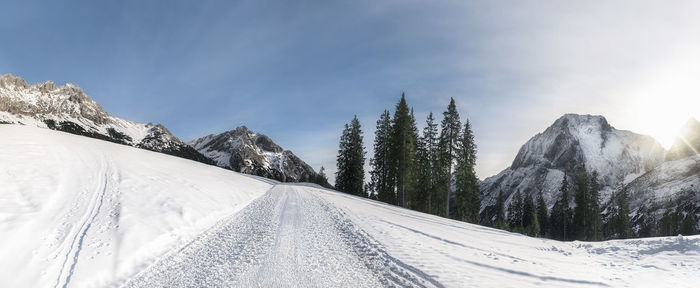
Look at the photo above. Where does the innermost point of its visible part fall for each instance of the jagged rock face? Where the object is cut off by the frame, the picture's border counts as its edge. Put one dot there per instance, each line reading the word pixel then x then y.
pixel 663 184
pixel 46 99
pixel 67 108
pixel 572 140
pixel 247 152
pixel 688 142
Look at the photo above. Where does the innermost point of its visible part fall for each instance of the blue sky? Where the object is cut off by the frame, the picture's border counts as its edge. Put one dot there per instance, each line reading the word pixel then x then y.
pixel 298 70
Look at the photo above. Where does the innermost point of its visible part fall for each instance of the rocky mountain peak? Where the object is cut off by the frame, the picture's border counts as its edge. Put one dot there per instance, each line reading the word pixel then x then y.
pixel 68 108
pixel 589 140
pixel 572 141
pixel 244 151
pixel 9 80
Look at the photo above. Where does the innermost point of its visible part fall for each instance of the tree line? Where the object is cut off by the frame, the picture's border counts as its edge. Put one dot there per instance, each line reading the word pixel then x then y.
pixel 585 220
pixel 412 169
pixel 433 171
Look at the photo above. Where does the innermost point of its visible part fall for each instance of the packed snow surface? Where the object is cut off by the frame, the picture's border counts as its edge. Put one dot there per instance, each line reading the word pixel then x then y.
pixel 81 212
pixel 76 211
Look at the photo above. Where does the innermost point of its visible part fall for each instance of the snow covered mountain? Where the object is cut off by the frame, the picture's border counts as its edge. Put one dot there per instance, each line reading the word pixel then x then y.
pixel 688 142
pixel 247 152
pixel 78 212
pixel 67 108
pixel 618 156
pixel 680 172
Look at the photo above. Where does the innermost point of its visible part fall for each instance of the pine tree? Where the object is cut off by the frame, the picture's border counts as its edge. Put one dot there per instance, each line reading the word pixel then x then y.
pixel 382 181
pixel 351 159
pixel 560 219
pixel 428 161
pixel 542 216
pixel 582 201
pixel 686 207
pixel 415 198
pixel 321 178
pixel 449 137
pixel 668 223
pixel 530 222
pixel 622 221
pixel 595 231
pixel 500 222
pixel 342 160
pixel 467 194
pixel 648 226
pixel 515 213
pixel 402 148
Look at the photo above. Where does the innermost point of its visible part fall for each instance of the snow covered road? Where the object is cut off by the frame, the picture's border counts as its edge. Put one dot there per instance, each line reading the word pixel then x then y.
pixel 288 237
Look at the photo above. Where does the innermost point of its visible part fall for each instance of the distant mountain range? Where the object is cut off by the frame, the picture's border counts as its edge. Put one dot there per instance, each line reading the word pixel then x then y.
pixel 621 158
pixel 67 108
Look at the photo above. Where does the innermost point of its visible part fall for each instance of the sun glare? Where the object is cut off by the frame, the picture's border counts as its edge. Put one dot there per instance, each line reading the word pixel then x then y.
pixel 662 109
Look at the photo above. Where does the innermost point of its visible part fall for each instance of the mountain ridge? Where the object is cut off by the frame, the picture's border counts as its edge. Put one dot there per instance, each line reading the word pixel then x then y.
pixel 621 158
pixel 245 151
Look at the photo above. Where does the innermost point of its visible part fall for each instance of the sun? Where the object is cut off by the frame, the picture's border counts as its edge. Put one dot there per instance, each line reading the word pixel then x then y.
pixel 663 116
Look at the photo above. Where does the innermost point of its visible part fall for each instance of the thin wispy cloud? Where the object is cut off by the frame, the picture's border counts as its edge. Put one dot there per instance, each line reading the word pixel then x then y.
pixel 297 71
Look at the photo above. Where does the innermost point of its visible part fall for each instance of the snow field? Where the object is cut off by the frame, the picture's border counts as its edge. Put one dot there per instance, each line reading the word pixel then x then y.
pixel 84 212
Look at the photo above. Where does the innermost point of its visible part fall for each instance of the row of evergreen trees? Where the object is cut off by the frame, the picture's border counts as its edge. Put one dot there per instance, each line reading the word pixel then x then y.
pixel 585 220
pixel 418 170
pixel 412 169
pixel 675 217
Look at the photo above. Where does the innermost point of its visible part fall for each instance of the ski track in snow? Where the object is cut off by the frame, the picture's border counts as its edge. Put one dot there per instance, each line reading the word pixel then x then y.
pixel 288 237
pixel 94 205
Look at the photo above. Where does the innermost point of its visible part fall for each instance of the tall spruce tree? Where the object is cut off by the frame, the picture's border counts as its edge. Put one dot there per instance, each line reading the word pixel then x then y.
pixel 622 221
pixel 595 230
pixel 515 212
pixel 448 147
pixel 428 161
pixel 648 226
pixel 560 218
pixel 685 210
pixel 467 194
pixel 351 158
pixel 382 180
pixel 582 201
pixel 402 148
pixel 321 178
pixel 415 198
pixel 500 222
pixel 542 216
pixel 531 225
pixel 668 223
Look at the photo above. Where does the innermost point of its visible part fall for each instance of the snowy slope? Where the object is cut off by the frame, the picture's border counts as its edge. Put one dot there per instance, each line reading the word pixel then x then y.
pixel 618 156
pixel 88 213
pixel 244 151
pixel 84 212
pixel 321 238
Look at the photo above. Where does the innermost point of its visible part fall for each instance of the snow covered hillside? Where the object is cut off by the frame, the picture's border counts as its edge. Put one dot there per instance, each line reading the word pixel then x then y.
pixel 78 212
pixel 84 212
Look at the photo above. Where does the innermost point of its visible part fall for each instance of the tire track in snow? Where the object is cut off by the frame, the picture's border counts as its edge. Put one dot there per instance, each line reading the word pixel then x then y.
pixel 288 237
pixel 389 270
pixel 95 206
